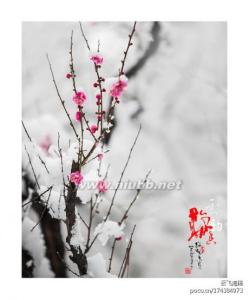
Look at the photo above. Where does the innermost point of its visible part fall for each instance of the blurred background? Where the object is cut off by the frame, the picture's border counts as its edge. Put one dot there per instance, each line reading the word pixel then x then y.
pixel 177 92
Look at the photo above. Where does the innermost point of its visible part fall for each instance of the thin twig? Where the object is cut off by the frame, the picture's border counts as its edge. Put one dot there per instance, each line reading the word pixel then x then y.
pixel 37 197
pixel 83 34
pixel 106 151
pixel 41 160
pixel 134 199
pixel 99 80
pixel 100 107
pixel 88 127
pixel 90 152
pixel 120 179
pixel 89 226
pixel 93 241
pixel 100 162
pixel 43 163
pixel 96 203
pixel 43 212
pixel 126 215
pixel 127 49
pixel 127 255
pixel 26 131
pixel 110 113
pixel 122 174
pixel 61 100
pixel 81 152
pixel 84 222
pixel 62 168
pixel 36 180
pixel 71 63
pixel 97 206
pixel 111 257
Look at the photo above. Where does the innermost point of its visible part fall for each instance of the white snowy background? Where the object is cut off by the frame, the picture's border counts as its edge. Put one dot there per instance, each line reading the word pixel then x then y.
pixel 179 97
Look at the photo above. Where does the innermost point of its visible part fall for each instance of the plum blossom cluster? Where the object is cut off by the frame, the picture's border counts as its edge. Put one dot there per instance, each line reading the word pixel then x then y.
pixel 79 98
pixel 118 88
pixel 76 178
pixel 97 59
pixel 61 171
pixel 102 186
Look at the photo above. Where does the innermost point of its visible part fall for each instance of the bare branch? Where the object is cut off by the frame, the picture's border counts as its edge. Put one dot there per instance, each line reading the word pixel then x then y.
pixel 100 107
pixel 62 168
pixel 37 197
pixel 106 151
pixel 89 226
pixel 26 132
pixel 112 105
pixel 125 217
pixel 83 221
pixel 127 49
pixel 99 81
pixel 41 160
pixel 87 124
pixel 90 152
pixel 122 174
pixel 111 257
pixel 83 34
pixel 61 100
pixel 126 259
pixel 90 244
pixel 134 199
pixel 43 212
pixel 71 63
pixel 36 180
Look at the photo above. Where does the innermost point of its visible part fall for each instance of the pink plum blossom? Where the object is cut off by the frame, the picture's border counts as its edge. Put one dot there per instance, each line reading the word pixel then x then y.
pixel 79 97
pixel 76 178
pixel 100 156
pixel 69 76
pixel 101 185
pixel 93 128
pixel 118 88
pixel 97 59
pixel 78 116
